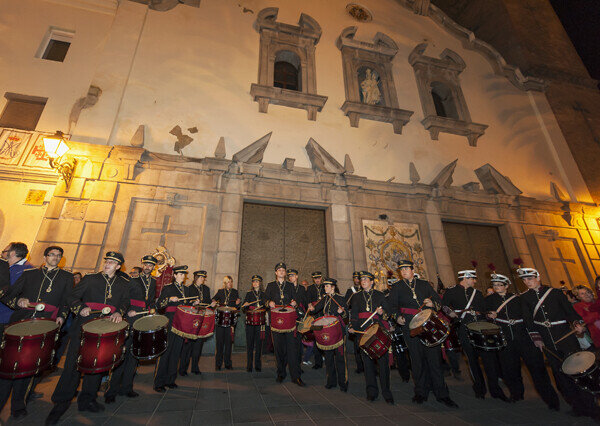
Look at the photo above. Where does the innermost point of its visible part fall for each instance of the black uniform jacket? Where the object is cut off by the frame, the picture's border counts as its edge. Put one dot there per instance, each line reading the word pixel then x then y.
pixel 4 276
pixel 227 297
pixel 457 298
pixel 175 290
pixel 300 295
pixel 281 294
pixel 326 306
pixel 142 289
pixel 315 292
pixel 253 296
pixel 367 302
pixel 510 317
pixel 410 295
pixel 97 288
pixel 203 293
pixel 39 285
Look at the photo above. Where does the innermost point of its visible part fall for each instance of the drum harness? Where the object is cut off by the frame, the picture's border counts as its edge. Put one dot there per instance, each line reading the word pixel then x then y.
pixel 510 322
pixel 467 309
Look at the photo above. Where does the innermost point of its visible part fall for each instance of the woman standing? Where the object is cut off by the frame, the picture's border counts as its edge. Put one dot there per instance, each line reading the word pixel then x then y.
pixel 225 297
pixel 255 334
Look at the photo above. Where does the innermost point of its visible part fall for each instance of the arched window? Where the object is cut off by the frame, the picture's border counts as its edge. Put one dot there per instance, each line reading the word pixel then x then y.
pixel 369 86
pixel 443 100
pixel 286 71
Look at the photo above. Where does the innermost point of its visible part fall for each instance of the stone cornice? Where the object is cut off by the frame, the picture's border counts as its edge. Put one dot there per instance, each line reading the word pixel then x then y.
pixel 108 7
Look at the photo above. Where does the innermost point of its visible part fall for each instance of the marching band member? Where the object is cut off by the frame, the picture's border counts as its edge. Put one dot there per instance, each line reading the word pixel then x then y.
pixel 300 295
pixel 314 292
pixel 49 285
pixel 468 305
pixel 355 288
pixel 548 317
pixel 95 291
pixel 407 297
pixel 362 307
pixel 226 296
pixel 142 292
pixel 193 291
pixel 333 304
pixel 193 348
pixel 255 334
pixel 280 292
pixel 506 310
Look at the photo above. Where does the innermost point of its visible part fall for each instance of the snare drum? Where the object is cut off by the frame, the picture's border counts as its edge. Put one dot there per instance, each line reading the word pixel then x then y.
pixel 226 316
pixel 186 322
pixel 305 326
pixel 149 336
pixel 431 329
pixel 208 323
pixel 256 316
pixel 329 333
pixel 27 347
pixel 375 341
pixel 398 342
pixel 283 319
pixel 583 368
pixel 102 345
pixel 452 343
pixel 486 336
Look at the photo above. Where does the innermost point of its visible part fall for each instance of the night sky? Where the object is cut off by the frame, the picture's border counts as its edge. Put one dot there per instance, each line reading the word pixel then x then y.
pixel 581 19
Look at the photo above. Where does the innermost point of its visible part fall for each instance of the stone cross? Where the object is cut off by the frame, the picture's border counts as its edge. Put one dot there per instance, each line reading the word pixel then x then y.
pixel 564 262
pixel 164 231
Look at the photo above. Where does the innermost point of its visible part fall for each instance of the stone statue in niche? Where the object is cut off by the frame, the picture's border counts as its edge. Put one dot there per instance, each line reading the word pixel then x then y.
pixel 369 87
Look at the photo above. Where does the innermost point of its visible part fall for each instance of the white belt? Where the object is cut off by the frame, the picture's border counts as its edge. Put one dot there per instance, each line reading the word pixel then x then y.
pixel 549 324
pixel 510 321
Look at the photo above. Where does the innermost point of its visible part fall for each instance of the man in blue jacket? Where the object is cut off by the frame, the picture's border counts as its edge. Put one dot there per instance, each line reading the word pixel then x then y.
pixel 16 255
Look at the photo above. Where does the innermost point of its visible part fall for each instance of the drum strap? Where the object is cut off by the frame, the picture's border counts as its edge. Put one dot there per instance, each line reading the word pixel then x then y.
pixel 409 311
pixel 137 303
pixel 505 303
pixel 99 306
pixel 465 311
pixel 539 303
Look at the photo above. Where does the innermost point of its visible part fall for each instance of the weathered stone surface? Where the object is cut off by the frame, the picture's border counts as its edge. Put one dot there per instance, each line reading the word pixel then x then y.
pixel 93 233
pixel 444 177
pixel 254 152
pixel 220 151
pixel 138 137
pixel 321 160
pixel 230 221
pixel 494 182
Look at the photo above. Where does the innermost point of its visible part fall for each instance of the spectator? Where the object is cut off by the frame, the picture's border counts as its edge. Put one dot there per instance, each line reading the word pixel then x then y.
pixel 591 318
pixel 135 272
pixel 16 255
pixel 77 276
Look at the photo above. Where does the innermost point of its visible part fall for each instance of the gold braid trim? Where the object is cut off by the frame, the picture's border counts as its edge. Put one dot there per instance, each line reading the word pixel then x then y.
pixel 330 347
pixel 282 331
pixel 186 335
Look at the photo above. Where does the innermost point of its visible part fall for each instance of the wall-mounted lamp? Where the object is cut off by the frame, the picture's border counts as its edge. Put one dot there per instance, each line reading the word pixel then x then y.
pixel 56 146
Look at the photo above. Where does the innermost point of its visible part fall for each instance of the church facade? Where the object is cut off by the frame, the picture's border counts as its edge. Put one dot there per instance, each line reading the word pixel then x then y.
pixel 331 135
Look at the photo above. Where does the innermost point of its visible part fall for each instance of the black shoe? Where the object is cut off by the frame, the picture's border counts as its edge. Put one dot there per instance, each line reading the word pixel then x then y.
pixel 279 379
pixel 132 394
pixel 479 395
pixel 389 401
pixel 316 367
pixel 228 368
pixel 502 397
pixel 110 399
pixel 258 369
pixel 159 389
pixel 57 411
pixel 249 369
pixel 197 372
pixel 217 368
pixel 344 388
pixel 405 380
pixel 370 398
pixel 19 414
pixel 554 407
pixel 457 376
pixel 172 386
pixel 418 399
pixel 183 373
pixel 299 382
pixel 329 386
pixel 574 413
pixel 448 402
pixel 92 407
pixel 35 395
pixel 359 371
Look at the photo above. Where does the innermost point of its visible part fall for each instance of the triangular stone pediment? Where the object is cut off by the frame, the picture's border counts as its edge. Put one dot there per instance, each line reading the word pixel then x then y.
pixel 495 182
pixel 321 160
pixel 254 152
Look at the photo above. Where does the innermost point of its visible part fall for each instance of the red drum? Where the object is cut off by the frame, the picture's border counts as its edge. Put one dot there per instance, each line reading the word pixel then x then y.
pixel 431 329
pixel 283 319
pixel 102 345
pixel 187 322
pixel 375 341
pixel 27 347
pixel 329 333
pixel 256 317
pixel 149 336
pixel 226 316
pixel 208 323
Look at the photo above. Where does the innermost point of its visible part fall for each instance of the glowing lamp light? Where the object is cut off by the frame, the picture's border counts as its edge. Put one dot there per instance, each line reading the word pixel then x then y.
pixel 55 145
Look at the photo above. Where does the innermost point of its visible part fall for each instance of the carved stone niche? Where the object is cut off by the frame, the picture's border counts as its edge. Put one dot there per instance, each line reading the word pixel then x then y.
pixel 291 49
pixel 369 83
pixel 442 99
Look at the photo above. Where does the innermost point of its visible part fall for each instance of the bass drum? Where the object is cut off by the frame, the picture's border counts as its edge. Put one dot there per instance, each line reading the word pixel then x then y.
pixel 486 336
pixel 583 368
pixel 149 336
pixel 102 345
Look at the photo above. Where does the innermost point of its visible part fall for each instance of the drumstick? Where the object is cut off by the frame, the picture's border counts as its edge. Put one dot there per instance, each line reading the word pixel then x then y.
pixel 370 318
pixel 38 306
pixel 103 311
pixel 187 298
pixel 553 354
pixel 565 336
pixel 331 297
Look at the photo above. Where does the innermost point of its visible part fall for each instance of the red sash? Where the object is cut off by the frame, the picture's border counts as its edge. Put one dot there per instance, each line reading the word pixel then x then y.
pixel 138 303
pixel 171 309
pixel 409 311
pixel 100 306
pixel 51 309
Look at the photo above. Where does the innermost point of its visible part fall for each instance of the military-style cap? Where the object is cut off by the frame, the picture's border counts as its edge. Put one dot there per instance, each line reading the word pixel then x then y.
pixel 256 278
pixel 280 265
pixel 367 274
pixel 330 281
pixel 405 263
pixel 527 272
pixel 200 273
pixel 114 255
pixel 182 269
pixel 316 274
pixel 467 273
pixel 499 278
pixel 292 271
pixel 149 259
pixel 356 274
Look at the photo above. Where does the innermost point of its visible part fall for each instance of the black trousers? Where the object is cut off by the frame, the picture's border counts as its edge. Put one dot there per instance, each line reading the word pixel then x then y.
pixel 402 361
pixel 370 366
pixel 192 351
pixel 223 348
pixel 490 365
pixel 166 373
pixel 18 388
pixel 286 353
pixel 121 379
pixel 454 360
pixel 318 355
pixel 426 364
pixel 510 363
pixel 253 347
pixel 336 367
pixel 357 352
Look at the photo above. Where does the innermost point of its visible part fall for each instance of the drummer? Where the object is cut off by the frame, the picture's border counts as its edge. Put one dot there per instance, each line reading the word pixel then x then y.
pixel 549 317
pixel 363 305
pixel 407 297
pixel 193 291
pixel 355 288
pixel 281 293
pixel 193 348
pixel 333 304
pixel 255 334
pixel 314 292
pixel 300 295
pixel 504 308
pixel 469 306
pixel 106 289
pixel 170 298
pixel 142 292
pixel 48 285
pixel 226 296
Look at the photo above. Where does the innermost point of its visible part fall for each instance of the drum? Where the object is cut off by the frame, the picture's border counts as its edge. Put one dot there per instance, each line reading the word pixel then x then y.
pixel 149 336
pixel 283 319
pixel 398 342
pixel 186 322
pixel 27 347
pixel 329 333
pixel 431 329
pixel 452 343
pixel 256 317
pixel 102 345
pixel 305 326
pixel 226 316
pixel 486 336
pixel 375 341
pixel 208 323
pixel 583 368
